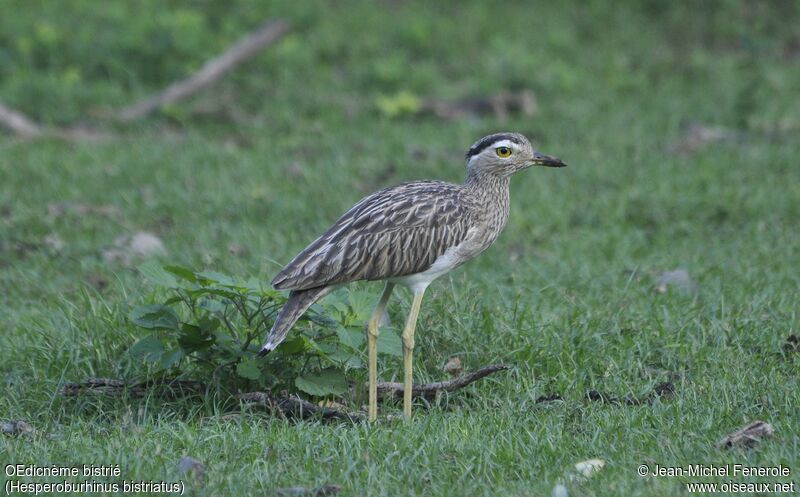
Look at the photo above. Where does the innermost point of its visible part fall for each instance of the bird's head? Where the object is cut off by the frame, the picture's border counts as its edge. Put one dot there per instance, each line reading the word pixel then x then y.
pixel 503 154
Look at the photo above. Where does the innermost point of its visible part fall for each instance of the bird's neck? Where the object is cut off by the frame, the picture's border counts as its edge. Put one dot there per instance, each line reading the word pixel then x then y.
pixel 491 192
pixel 488 184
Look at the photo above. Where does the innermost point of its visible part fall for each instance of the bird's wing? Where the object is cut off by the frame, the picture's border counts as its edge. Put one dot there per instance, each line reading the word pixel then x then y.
pixel 395 232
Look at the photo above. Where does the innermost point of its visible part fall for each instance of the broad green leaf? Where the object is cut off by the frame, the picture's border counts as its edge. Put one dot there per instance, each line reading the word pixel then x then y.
pixel 269 293
pixel 350 336
pixel 346 359
pixel 259 288
pixel 337 304
pixel 214 293
pixel 354 362
pixel 253 302
pixel 172 300
pixel 317 317
pixel 215 277
pixel 361 304
pixel 248 368
pixel 193 337
pixel 323 347
pixel 342 307
pixel 254 285
pixel 150 348
pixel 226 347
pixel 220 292
pixel 293 346
pixel 329 381
pixel 208 324
pixel 170 358
pixel 389 342
pixel 154 317
pixel 211 305
pixel 155 273
pixel 182 272
pixel 224 338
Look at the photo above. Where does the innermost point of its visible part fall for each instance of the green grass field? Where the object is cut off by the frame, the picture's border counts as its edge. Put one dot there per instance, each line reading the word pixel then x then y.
pixel 270 156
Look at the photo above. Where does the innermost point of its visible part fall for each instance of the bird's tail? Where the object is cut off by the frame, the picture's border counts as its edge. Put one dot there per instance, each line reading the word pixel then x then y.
pixel 299 301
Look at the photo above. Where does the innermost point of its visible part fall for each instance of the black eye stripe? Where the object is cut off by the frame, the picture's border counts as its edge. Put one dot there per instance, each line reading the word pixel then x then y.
pixel 490 140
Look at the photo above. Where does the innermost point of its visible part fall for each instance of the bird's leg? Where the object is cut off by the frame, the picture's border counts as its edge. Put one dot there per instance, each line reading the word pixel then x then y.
pixel 372 345
pixel 408 352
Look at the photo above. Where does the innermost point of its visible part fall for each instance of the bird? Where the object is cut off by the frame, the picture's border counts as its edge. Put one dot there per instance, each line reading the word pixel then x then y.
pixel 408 235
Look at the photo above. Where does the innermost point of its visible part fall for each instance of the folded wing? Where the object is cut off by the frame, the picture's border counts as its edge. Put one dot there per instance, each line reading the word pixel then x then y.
pixel 395 232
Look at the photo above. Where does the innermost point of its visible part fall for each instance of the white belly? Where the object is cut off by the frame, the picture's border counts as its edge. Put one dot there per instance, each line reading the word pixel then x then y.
pixel 451 259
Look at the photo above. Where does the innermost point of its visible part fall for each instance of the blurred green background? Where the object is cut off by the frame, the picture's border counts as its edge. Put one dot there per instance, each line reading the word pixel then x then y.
pixel 679 121
pixel 60 62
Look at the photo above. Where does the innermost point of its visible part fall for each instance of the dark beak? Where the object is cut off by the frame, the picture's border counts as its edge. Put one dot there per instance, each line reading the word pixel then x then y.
pixel 540 159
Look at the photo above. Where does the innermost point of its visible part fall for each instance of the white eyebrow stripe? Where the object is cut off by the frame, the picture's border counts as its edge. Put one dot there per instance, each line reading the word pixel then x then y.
pixel 499 143
pixel 504 143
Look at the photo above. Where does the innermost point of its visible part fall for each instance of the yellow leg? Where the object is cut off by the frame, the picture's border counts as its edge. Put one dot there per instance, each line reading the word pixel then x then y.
pixel 372 346
pixel 408 352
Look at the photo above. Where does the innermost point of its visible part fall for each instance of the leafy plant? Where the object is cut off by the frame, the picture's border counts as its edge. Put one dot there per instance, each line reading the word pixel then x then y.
pixel 213 324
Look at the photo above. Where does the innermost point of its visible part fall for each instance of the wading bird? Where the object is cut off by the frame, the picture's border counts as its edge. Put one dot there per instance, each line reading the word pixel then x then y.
pixel 409 234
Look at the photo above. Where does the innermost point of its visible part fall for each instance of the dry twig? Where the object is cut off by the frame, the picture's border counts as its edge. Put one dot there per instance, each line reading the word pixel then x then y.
pixel 18 123
pixel 112 386
pixel 24 127
pixel 296 408
pixel 429 391
pixel 211 71
pixel 747 435
pixel 292 407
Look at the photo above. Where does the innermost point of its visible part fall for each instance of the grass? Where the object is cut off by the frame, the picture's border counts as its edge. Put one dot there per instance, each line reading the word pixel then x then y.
pixel 565 295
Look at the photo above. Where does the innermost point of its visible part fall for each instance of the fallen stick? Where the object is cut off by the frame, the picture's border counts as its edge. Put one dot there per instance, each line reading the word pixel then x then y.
pixel 296 408
pixel 211 71
pixel 18 123
pixel 290 407
pixel 429 391
pixel 24 127
pixel 113 386
pixel 747 435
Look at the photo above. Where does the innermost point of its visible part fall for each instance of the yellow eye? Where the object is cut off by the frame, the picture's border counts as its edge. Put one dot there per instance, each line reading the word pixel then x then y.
pixel 503 151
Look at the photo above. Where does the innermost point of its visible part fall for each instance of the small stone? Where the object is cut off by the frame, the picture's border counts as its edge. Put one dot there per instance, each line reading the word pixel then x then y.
pixel 128 248
pixel 454 367
pixel 54 242
pixel 678 279
pixel 237 250
pixel 17 427
pixel 589 467
pixel 190 464
pixel 144 244
pixel 560 491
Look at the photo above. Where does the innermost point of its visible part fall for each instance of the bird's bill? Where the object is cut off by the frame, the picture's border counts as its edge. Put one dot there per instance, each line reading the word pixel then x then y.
pixel 540 159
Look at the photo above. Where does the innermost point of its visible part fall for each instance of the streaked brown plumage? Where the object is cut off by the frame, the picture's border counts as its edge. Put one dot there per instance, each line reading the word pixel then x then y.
pixel 410 233
pixel 395 232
